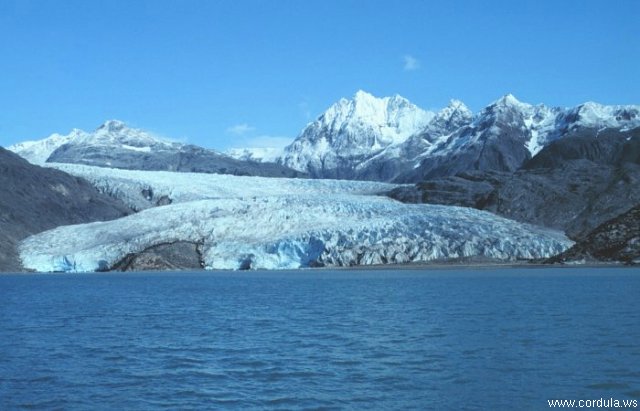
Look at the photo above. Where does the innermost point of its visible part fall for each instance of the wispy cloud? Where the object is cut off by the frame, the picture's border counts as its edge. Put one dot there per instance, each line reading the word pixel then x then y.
pixel 266 141
pixel 411 63
pixel 304 109
pixel 240 129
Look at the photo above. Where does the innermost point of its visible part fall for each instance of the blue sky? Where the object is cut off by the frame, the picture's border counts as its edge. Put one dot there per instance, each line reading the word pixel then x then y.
pixel 234 73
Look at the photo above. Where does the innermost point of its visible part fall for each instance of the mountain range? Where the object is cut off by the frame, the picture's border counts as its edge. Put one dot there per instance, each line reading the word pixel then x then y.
pixel 114 144
pixel 390 139
pixel 569 169
pixel 364 138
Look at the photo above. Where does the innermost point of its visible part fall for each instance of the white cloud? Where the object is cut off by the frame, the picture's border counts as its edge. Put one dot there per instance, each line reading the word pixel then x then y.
pixel 266 141
pixel 411 63
pixel 305 110
pixel 240 129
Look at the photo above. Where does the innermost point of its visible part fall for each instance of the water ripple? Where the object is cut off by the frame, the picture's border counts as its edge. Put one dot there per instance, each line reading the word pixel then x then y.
pixel 318 340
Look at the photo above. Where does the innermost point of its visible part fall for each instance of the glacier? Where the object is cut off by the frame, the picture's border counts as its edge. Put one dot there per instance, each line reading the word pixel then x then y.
pixel 278 223
pixel 143 189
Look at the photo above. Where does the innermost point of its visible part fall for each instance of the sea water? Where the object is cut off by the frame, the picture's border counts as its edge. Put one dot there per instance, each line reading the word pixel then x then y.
pixel 330 339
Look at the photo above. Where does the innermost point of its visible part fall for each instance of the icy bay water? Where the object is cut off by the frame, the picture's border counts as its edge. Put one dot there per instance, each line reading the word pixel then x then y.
pixel 384 339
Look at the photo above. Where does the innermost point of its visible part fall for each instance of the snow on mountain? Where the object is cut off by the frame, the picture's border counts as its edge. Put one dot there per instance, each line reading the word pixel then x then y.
pixel 411 151
pixel 496 139
pixel 594 115
pixel 112 134
pixel 356 139
pixel 116 145
pixel 448 120
pixel 350 129
pixel 248 222
pixel 37 152
pixel 366 138
pixel 505 116
pixel 115 133
pixel 258 154
pixel 547 124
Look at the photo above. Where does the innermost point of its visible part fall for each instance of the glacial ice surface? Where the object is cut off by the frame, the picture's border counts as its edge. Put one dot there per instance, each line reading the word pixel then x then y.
pixel 143 189
pixel 267 223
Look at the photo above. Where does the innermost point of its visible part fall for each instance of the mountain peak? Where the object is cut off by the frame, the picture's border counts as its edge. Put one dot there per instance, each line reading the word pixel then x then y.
pixel 112 126
pixel 352 128
pixel 592 114
pixel 454 115
pixel 363 95
pixel 506 104
pixel 508 100
pixel 457 106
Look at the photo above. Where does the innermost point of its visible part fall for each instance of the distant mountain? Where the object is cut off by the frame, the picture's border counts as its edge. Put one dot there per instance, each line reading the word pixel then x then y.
pixel 258 154
pixel 352 131
pixel 116 145
pixel 507 134
pixel 399 159
pixel 575 183
pixel 390 139
pixel 34 199
pixel 362 138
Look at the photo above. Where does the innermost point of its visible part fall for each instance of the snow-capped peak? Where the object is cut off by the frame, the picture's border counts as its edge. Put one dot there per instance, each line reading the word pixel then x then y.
pixel 393 118
pixel 112 126
pixel 360 126
pixel 112 133
pixel 117 133
pixel 457 104
pixel 38 151
pixel 362 95
pixel 258 154
pixel 594 115
pixel 449 119
pixel 510 101
pixel 455 108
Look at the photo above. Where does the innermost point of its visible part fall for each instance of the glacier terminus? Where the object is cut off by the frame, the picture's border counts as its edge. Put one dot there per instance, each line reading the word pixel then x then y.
pixel 266 223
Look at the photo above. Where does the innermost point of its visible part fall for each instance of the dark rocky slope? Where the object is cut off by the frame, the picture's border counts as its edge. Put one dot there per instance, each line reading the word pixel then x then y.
pixel 186 158
pixel 617 240
pixel 181 255
pixel 600 146
pixel 574 184
pixel 495 141
pixel 35 199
